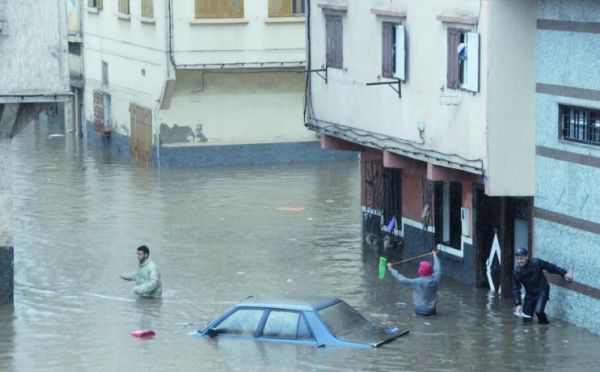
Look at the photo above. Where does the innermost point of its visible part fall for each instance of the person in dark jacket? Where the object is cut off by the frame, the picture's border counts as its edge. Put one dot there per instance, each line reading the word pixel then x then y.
pixel 424 287
pixel 529 272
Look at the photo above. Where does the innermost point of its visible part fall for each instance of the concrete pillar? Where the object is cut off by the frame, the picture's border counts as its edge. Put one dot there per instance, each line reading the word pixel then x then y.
pixel 8 115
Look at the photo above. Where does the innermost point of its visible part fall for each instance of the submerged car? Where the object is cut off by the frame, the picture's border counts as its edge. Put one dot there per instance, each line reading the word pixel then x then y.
pixel 314 321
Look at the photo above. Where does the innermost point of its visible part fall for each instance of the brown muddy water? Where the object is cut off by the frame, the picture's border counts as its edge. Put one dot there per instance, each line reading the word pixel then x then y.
pixel 218 236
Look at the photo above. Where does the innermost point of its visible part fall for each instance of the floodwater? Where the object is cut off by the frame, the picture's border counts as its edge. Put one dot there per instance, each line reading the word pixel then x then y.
pixel 220 234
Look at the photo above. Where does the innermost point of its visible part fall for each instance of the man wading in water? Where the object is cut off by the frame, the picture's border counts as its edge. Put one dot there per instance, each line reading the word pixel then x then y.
pixel 424 287
pixel 529 273
pixel 147 276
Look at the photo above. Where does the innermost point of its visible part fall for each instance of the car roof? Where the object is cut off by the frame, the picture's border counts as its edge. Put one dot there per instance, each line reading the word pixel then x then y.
pixel 292 302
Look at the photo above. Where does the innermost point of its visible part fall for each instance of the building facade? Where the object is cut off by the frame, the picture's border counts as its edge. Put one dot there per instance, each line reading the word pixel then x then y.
pixel 184 83
pixel 567 198
pixel 34 80
pixel 438 98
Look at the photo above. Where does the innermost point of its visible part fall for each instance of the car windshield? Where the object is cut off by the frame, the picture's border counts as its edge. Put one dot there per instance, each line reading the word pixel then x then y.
pixel 342 318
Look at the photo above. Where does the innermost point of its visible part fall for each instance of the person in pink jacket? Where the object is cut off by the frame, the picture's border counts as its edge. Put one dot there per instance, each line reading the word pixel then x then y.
pixel 424 287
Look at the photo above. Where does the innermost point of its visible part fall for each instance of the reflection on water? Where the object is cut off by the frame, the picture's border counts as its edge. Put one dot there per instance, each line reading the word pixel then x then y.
pixel 220 234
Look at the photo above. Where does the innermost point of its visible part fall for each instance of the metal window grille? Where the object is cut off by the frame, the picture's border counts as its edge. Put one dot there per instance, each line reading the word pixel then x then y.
pixel 148 8
pixel 580 124
pixel 124 6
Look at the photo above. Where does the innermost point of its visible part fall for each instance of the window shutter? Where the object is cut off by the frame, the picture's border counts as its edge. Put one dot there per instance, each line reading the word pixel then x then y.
pixel 453 64
pixel 147 9
pixel 98 4
pixel 400 56
pixel 211 9
pixel 236 8
pixel 297 6
pixel 124 6
pixel 280 8
pixel 339 50
pixel 387 50
pixel 472 39
pixel 335 42
pixel 201 9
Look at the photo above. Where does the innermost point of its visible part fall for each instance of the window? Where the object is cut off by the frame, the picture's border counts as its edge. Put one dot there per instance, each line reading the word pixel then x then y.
pixel 148 8
pixel 124 6
pixel 463 60
pixel 95 4
pixel 75 48
pixel 392 196
pixel 286 8
pixel 104 73
pixel 242 322
pixel 286 324
pixel 580 124
pixel 447 201
pixel 342 318
pixel 219 8
pixel 335 41
pixel 107 104
pixel 393 51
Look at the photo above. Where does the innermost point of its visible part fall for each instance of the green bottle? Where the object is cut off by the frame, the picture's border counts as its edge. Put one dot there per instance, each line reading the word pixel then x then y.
pixel 382 267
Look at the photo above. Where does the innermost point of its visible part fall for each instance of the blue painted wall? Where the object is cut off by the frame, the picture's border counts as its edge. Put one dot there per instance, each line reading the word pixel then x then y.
pixel 198 156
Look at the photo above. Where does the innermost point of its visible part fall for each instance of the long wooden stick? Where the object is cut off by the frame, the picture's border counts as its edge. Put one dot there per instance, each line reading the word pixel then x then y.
pixel 410 259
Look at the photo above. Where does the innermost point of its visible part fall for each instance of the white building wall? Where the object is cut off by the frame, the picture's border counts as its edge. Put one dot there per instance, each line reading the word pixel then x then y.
pixel 236 78
pixel 254 38
pixel 135 51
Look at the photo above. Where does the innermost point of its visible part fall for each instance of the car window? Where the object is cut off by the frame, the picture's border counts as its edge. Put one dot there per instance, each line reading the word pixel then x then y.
pixel 241 322
pixel 286 325
pixel 342 318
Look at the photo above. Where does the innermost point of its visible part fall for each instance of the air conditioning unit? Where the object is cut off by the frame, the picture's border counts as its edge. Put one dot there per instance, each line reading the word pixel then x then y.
pixel 464 221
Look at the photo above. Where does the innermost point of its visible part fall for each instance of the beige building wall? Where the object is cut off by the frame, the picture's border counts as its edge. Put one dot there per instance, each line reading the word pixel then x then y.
pixel 511 98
